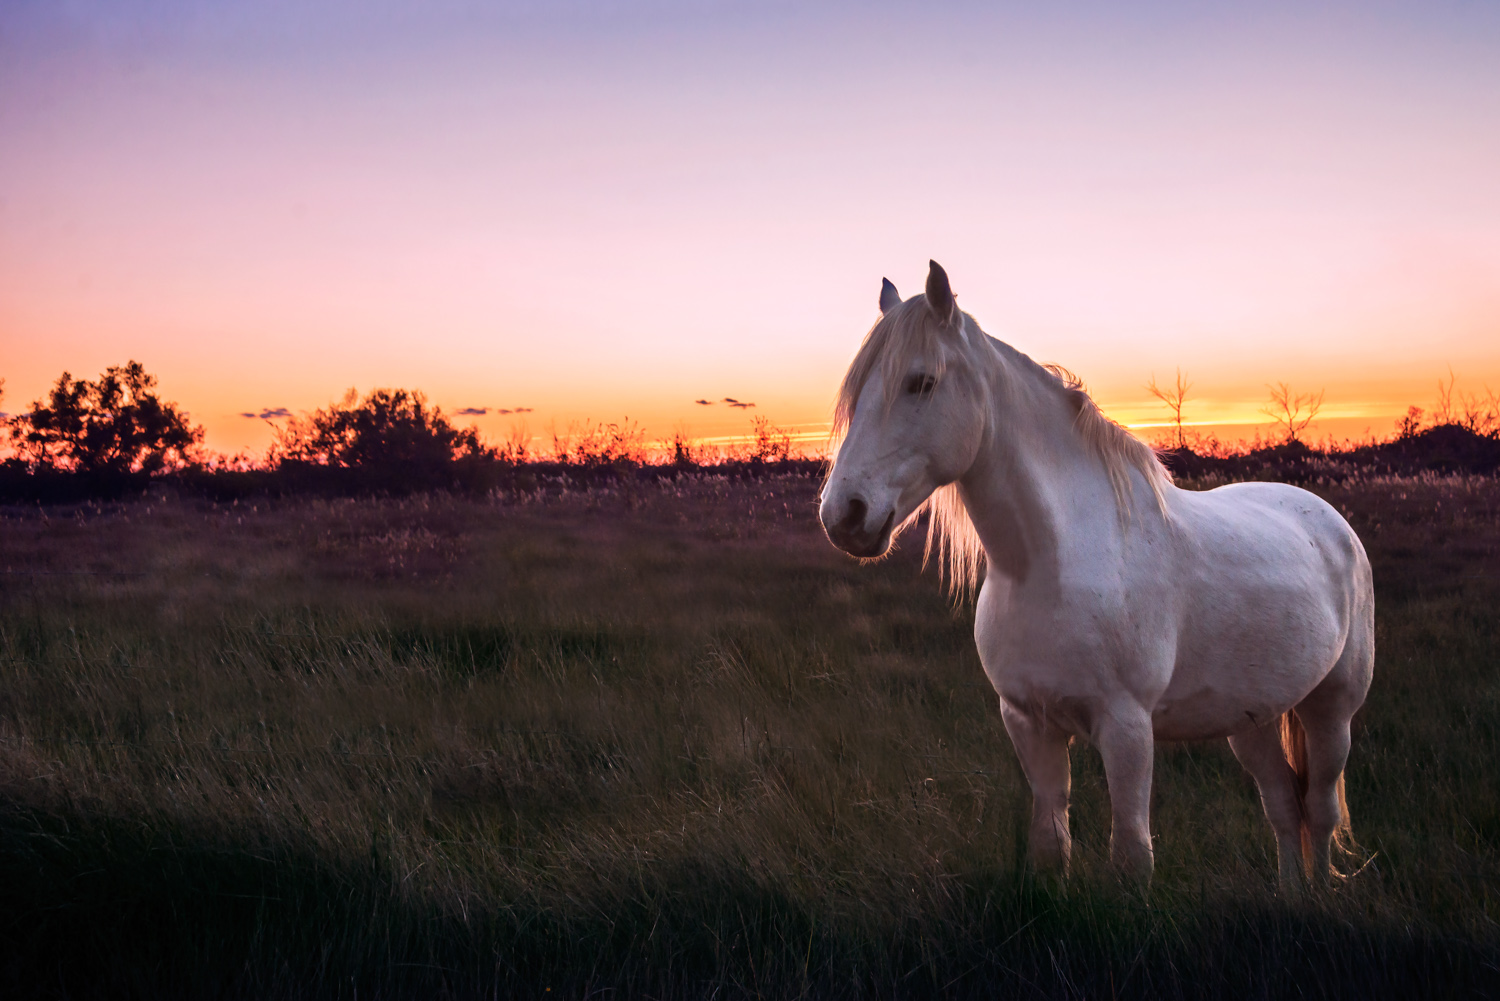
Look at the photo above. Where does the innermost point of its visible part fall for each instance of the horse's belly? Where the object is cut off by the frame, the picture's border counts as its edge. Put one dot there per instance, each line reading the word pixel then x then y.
pixel 1209 713
pixel 1227 679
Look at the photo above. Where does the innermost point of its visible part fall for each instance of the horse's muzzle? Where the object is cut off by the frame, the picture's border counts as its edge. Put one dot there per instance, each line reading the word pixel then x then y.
pixel 850 534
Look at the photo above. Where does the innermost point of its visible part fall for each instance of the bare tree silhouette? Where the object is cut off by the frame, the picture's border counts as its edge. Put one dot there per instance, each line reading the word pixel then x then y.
pixel 1480 414
pixel 1444 412
pixel 1174 396
pixel 1292 413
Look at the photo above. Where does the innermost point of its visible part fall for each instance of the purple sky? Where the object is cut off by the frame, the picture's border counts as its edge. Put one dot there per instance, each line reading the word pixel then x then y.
pixel 597 210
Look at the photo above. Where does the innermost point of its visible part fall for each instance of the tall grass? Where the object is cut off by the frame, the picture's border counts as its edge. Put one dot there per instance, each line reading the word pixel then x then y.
pixel 661 739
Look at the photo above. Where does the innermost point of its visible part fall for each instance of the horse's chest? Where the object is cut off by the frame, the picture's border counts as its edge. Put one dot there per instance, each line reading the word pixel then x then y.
pixel 1069 657
pixel 1036 695
pixel 1036 673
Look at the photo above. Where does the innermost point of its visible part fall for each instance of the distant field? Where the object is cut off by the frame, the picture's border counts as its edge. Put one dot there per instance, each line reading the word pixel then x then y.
pixel 663 740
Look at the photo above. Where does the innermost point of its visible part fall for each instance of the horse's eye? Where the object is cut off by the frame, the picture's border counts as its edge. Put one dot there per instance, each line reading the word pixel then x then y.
pixel 920 385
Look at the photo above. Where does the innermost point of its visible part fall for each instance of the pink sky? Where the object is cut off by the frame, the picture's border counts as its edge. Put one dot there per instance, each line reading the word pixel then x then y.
pixel 596 211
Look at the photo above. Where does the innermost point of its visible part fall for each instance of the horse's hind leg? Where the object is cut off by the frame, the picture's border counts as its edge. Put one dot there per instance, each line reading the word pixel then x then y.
pixel 1325 716
pixel 1259 751
pixel 1327 737
pixel 1043 750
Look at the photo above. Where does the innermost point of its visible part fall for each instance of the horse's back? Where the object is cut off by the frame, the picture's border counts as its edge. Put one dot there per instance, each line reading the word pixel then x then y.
pixel 1268 526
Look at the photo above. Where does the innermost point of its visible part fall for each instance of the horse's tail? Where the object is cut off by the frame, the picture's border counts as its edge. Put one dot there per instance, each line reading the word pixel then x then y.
pixel 1294 746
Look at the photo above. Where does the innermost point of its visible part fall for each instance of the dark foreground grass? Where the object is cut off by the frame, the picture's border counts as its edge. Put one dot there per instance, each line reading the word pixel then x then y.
pixel 663 741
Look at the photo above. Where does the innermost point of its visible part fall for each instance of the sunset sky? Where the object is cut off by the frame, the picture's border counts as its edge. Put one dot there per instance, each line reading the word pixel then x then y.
pixel 607 209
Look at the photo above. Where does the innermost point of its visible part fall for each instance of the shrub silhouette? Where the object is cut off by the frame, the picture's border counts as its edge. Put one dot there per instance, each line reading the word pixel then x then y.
pixel 594 445
pixel 772 444
pixel 1410 426
pixel 392 434
pixel 114 426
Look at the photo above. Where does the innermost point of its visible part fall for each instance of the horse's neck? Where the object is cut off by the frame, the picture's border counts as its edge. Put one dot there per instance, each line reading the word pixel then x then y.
pixel 1035 489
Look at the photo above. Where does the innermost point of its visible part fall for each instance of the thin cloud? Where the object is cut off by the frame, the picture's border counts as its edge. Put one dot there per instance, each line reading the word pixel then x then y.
pixel 737 404
pixel 269 414
pixel 474 411
pixel 513 410
pixel 704 403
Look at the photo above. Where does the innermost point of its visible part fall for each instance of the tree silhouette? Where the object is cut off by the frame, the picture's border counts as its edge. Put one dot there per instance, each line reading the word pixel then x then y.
pixel 1480 414
pixel 1292 413
pixel 1173 397
pixel 1445 412
pixel 391 431
pixel 115 425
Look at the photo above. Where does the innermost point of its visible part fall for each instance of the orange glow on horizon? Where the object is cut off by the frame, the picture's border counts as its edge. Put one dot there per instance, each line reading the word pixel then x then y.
pixel 1352 409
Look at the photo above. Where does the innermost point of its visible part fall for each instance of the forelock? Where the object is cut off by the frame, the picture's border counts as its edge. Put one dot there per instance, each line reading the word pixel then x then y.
pixel 904 332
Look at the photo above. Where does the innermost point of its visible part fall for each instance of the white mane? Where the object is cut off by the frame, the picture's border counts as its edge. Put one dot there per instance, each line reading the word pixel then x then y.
pixel 909 330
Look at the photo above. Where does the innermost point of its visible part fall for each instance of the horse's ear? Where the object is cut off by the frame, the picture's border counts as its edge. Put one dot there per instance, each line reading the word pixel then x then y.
pixel 889 297
pixel 940 294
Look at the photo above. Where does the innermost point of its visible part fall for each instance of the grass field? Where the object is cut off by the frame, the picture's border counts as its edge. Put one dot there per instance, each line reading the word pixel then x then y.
pixel 662 740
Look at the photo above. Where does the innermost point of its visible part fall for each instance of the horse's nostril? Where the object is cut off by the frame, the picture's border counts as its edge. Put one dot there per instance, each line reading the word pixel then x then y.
pixel 857 511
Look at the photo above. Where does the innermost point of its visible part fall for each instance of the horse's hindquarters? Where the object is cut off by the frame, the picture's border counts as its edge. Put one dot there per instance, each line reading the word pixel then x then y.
pixel 1277 589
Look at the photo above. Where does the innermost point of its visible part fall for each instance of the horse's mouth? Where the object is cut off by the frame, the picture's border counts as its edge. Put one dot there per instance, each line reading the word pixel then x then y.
pixel 867 547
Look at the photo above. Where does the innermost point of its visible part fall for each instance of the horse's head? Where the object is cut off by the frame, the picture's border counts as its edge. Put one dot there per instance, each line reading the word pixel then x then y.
pixel 912 415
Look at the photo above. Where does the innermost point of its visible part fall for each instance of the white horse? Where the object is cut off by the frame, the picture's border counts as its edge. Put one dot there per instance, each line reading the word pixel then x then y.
pixel 1115 607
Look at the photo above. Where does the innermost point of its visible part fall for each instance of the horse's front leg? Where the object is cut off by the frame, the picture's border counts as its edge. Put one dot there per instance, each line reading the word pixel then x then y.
pixel 1043 750
pixel 1127 745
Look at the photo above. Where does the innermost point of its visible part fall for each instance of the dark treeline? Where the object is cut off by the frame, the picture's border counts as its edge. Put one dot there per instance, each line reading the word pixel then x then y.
pixel 114 437
pixel 1442 449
